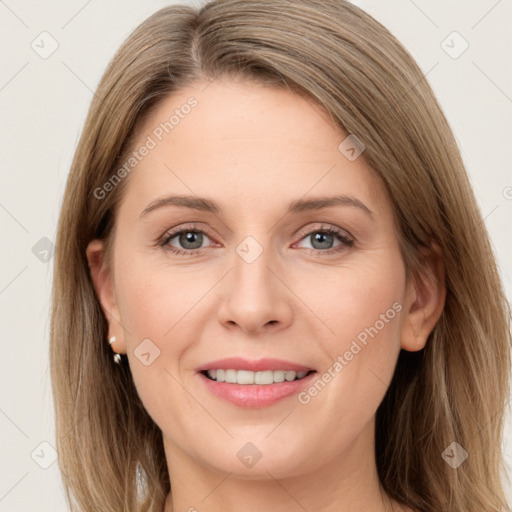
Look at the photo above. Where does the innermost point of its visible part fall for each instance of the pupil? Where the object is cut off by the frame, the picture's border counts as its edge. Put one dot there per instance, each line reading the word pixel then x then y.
pixel 322 238
pixel 188 238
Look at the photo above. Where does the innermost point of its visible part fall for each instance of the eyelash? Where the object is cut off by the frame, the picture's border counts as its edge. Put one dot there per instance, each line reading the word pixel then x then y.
pixel 346 240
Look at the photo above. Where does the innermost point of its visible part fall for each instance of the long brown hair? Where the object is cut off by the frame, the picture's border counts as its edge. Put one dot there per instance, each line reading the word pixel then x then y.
pixel 110 451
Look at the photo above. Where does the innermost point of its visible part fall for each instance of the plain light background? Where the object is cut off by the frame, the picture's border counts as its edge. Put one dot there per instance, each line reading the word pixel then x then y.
pixel 43 104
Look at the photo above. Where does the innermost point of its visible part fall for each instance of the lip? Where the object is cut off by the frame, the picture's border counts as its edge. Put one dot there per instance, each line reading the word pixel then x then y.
pixel 238 363
pixel 255 396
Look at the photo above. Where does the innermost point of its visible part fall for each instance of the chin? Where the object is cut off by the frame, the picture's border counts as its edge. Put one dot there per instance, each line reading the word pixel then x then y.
pixel 278 465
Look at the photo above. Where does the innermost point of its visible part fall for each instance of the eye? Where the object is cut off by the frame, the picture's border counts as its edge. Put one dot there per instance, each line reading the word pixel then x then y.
pixel 323 239
pixel 189 239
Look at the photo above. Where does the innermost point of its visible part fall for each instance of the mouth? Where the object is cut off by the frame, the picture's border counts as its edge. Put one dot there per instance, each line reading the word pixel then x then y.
pixel 257 387
pixel 248 377
pixel 254 384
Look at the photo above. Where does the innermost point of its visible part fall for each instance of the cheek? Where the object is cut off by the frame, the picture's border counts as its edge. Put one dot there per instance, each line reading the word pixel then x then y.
pixel 359 301
pixel 369 310
pixel 156 308
pixel 154 299
pixel 362 308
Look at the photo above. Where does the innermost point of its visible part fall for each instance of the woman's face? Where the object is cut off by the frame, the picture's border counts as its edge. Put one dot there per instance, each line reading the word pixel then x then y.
pixel 282 247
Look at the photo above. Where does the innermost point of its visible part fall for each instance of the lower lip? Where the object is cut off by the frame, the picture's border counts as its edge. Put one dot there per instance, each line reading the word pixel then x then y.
pixel 255 396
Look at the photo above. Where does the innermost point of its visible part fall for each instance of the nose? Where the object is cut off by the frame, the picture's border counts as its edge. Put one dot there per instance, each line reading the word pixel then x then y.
pixel 254 297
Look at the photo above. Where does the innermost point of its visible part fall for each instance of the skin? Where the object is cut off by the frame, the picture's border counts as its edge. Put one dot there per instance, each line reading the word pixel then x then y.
pixel 254 149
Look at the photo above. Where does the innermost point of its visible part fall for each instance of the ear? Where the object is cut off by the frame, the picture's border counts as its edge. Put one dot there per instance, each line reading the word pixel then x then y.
pixel 426 295
pixel 104 287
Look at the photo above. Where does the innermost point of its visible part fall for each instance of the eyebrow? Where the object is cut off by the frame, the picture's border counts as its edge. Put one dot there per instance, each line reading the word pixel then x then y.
pixel 300 205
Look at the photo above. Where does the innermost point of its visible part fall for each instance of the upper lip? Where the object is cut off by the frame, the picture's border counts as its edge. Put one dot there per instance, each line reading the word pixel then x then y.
pixel 254 365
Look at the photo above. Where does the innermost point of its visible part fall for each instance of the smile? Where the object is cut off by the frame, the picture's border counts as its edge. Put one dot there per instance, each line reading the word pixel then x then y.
pixel 255 388
pixel 248 377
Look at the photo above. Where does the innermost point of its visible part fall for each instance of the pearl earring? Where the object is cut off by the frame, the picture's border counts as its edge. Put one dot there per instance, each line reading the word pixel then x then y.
pixel 117 357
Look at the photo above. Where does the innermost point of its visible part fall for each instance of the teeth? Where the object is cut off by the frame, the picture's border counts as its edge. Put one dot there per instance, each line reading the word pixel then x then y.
pixel 248 377
pixel 230 376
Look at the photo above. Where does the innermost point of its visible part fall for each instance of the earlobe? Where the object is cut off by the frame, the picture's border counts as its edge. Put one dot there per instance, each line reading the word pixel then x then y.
pixel 425 301
pixel 104 287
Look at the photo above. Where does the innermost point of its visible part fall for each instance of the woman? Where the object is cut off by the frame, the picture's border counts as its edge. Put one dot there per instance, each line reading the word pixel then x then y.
pixel 273 287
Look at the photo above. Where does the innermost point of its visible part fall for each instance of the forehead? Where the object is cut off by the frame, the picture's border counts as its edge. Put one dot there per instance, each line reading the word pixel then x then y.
pixel 240 140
